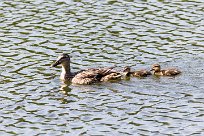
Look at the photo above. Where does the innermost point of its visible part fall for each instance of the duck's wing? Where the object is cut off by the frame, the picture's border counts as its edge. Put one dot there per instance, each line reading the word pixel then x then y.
pixel 102 71
pixel 85 77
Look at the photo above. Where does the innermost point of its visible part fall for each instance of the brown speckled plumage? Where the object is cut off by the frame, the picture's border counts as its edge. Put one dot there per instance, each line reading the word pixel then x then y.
pixel 156 68
pixel 94 75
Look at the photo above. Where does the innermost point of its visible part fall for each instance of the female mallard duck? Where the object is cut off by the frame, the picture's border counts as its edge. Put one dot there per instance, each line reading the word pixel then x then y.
pixel 138 73
pixel 88 76
pixel 156 68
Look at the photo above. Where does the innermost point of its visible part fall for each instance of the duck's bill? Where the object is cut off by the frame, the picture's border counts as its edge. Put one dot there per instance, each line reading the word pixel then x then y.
pixel 55 64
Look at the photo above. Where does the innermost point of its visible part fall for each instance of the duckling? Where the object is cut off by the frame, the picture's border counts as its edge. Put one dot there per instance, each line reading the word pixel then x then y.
pixel 156 68
pixel 111 76
pixel 139 73
pixel 88 76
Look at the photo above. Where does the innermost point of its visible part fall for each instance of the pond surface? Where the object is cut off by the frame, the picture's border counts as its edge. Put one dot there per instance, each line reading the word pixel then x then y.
pixel 33 101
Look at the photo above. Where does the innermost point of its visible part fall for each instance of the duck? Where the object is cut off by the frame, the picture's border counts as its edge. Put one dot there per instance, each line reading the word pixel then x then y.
pixel 156 68
pixel 88 76
pixel 138 73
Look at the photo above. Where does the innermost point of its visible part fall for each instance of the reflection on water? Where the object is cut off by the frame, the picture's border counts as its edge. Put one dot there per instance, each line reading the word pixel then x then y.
pixel 101 33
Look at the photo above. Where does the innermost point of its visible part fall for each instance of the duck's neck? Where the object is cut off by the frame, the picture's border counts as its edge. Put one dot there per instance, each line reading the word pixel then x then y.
pixel 66 72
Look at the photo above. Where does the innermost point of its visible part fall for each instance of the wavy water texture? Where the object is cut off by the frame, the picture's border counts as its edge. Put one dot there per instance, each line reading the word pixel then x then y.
pixel 101 33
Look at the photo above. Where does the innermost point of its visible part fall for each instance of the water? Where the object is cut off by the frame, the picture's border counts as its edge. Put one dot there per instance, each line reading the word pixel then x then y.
pixel 101 33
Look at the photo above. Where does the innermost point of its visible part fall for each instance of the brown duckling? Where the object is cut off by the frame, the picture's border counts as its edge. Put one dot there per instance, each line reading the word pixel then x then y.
pixel 88 76
pixel 138 73
pixel 112 76
pixel 156 68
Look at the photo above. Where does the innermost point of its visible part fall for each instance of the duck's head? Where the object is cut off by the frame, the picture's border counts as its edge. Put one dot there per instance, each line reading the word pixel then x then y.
pixel 62 59
pixel 156 67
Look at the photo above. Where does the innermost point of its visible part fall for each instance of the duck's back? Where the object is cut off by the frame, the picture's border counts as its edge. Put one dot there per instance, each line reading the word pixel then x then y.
pixel 85 77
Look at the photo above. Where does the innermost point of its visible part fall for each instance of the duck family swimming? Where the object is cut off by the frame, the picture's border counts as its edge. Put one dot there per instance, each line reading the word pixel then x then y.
pixel 95 75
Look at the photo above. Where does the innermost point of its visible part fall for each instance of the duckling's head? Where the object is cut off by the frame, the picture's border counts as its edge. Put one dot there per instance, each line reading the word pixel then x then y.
pixel 126 69
pixel 156 67
pixel 63 59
